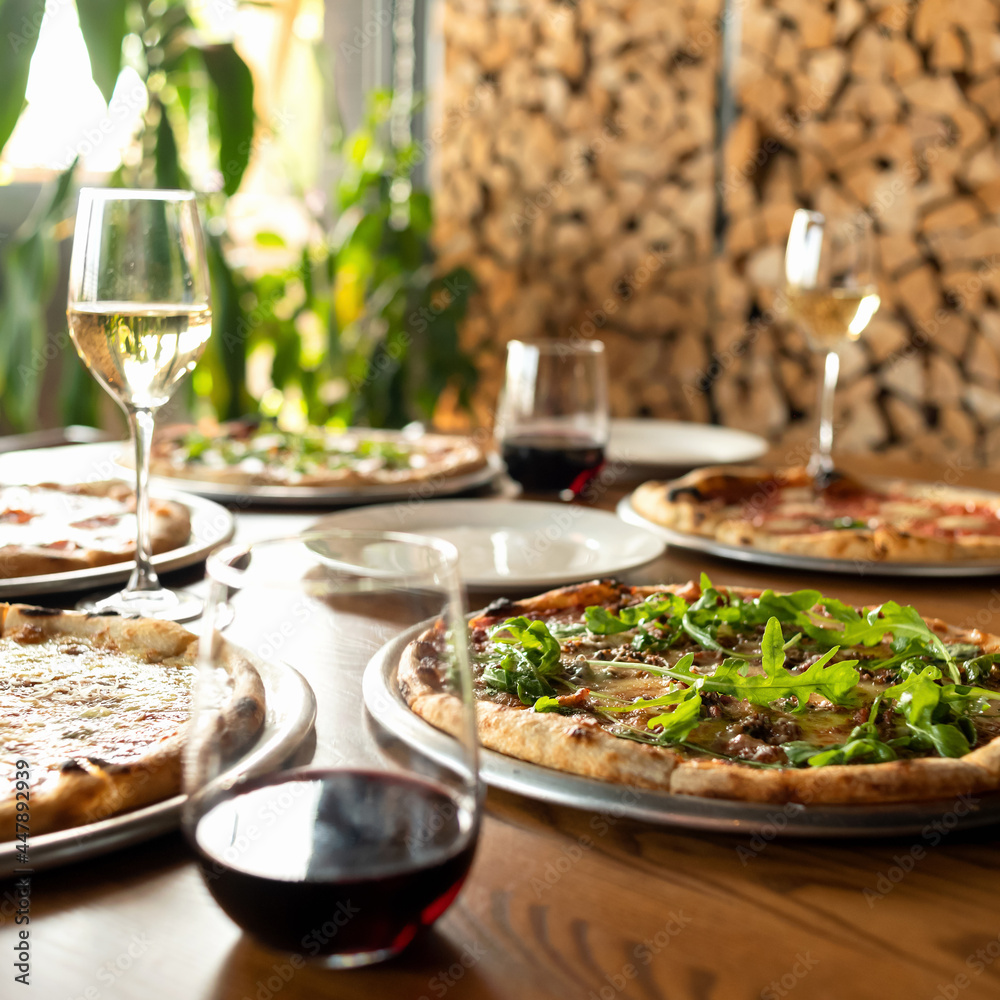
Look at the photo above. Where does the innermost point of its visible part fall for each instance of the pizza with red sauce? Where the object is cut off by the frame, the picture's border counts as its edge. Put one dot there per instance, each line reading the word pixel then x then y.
pixel 885 520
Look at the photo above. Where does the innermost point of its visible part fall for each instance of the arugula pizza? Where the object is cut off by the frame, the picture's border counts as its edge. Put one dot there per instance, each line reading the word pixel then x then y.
pixel 52 528
pixel 244 453
pixel 863 519
pixel 727 692
pixel 92 713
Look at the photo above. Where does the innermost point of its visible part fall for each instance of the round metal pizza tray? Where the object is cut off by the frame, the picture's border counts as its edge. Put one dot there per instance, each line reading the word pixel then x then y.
pixel 767 821
pixel 211 525
pixel 290 710
pixel 333 496
pixel 786 560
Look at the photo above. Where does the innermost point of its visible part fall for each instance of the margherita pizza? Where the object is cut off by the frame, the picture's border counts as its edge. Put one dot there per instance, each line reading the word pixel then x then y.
pixel 92 709
pixel 241 453
pixel 727 692
pixel 782 511
pixel 53 529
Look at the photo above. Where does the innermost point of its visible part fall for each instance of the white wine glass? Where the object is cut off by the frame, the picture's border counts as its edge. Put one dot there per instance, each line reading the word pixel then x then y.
pixel 139 314
pixel 831 289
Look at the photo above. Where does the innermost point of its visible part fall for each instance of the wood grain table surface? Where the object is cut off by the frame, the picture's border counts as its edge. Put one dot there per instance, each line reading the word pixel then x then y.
pixel 567 903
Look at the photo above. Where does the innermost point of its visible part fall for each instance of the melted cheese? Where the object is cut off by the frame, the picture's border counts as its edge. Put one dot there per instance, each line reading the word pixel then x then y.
pixel 33 517
pixel 66 698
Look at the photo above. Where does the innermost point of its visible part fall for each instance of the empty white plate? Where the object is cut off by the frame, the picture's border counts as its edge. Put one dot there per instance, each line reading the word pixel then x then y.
pixel 677 444
pixel 504 543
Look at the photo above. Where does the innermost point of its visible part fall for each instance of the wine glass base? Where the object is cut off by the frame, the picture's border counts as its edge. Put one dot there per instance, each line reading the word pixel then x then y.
pixel 354 960
pixel 168 605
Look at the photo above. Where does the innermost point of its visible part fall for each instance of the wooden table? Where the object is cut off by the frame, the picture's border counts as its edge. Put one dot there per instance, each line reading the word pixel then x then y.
pixel 566 903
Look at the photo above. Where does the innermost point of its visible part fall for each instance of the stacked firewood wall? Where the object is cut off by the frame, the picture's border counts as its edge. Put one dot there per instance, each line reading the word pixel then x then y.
pixel 575 176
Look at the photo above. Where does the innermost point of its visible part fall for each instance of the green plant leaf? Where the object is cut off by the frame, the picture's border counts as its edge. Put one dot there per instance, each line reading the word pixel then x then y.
pixel 103 25
pixel 233 111
pixel 168 168
pixel 30 268
pixel 19 24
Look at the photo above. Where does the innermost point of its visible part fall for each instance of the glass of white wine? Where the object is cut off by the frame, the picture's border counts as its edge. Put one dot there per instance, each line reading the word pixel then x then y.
pixel 139 314
pixel 831 289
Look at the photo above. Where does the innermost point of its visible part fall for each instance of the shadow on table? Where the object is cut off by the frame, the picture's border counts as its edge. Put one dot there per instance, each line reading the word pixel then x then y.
pixel 252 971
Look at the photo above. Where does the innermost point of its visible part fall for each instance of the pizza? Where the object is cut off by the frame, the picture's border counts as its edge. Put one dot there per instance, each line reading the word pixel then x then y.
pixel 726 692
pixel 855 519
pixel 92 709
pixel 243 453
pixel 53 528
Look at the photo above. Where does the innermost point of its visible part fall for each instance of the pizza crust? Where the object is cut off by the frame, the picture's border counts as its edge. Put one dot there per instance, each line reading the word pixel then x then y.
pixel 577 744
pixel 87 789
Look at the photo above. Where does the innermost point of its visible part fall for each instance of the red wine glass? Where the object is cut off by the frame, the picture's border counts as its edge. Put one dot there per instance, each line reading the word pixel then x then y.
pixel 552 418
pixel 345 859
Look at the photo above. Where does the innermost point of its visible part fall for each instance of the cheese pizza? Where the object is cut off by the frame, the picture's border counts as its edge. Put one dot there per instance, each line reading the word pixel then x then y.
pixel 53 528
pixel 92 711
pixel 243 453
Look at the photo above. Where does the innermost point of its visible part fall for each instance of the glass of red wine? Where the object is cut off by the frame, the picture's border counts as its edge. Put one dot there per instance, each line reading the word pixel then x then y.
pixel 552 418
pixel 345 859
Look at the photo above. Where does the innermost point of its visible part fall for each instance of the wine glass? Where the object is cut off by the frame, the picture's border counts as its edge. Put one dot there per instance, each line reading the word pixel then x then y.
pixel 552 417
pixel 346 859
pixel 831 289
pixel 140 316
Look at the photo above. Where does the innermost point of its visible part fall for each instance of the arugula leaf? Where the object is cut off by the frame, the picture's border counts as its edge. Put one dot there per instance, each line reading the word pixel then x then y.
pixel 677 725
pixel 900 620
pixel 787 608
pixel 933 712
pixel 864 750
pixel 549 704
pixel 962 650
pixel 834 681
pixel 600 621
pixel 534 658
pixel 981 667
pixel 701 620
pixel 863 745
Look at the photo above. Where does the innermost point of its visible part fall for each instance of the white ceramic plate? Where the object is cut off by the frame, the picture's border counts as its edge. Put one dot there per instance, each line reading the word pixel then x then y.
pixel 516 544
pixel 679 445
pixel 211 525
pixel 290 710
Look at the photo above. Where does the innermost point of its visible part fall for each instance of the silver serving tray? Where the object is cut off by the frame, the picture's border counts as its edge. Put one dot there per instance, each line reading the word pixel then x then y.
pixel 768 821
pixel 211 525
pixel 290 710
pixel 786 560
pixel 313 496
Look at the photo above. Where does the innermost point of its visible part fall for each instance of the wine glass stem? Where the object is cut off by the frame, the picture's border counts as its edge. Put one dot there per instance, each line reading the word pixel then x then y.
pixel 143 576
pixel 822 459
